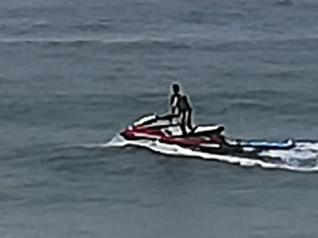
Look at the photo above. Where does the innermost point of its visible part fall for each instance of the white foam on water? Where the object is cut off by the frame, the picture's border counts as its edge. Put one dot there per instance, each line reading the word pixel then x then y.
pixel 312 146
pixel 301 151
pixel 116 141
pixel 290 159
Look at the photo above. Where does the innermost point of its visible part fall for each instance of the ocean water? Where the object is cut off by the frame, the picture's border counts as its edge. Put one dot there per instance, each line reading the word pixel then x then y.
pixel 74 73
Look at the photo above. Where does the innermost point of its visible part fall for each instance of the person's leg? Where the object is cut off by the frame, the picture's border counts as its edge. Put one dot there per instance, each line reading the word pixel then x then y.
pixel 189 120
pixel 183 123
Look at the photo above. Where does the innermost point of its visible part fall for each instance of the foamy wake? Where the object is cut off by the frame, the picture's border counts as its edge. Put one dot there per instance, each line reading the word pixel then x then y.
pixel 303 158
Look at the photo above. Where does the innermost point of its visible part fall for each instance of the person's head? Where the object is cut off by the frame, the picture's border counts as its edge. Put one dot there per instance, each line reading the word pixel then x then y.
pixel 175 88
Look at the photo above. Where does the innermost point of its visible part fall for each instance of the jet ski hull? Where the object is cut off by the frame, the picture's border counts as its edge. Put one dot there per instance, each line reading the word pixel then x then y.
pixel 209 139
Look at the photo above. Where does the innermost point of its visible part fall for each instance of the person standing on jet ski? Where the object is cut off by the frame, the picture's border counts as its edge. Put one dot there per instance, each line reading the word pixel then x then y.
pixel 181 108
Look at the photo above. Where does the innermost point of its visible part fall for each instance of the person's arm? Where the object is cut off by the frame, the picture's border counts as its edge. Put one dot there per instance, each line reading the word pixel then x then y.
pixel 173 103
pixel 174 100
pixel 171 100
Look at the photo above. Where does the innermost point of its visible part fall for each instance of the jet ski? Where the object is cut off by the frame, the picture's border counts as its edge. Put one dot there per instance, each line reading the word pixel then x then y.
pixel 204 138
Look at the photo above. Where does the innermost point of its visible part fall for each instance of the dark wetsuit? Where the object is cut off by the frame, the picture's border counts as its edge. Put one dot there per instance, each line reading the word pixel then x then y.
pixel 181 107
pixel 185 111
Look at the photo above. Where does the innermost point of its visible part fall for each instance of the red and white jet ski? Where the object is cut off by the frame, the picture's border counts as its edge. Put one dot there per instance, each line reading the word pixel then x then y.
pixel 209 138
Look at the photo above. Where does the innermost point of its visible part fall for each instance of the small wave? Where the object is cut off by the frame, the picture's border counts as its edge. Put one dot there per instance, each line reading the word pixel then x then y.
pixel 23 25
pixel 259 43
pixel 247 104
pixel 94 146
pixel 48 41
pixel 129 42
pixel 292 160
pixel 98 25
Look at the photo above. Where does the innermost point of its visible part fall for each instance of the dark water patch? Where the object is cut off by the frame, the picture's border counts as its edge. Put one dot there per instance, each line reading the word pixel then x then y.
pixel 49 42
pixel 284 3
pixel 72 164
pixel 94 26
pixel 9 198
pixel 155 44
